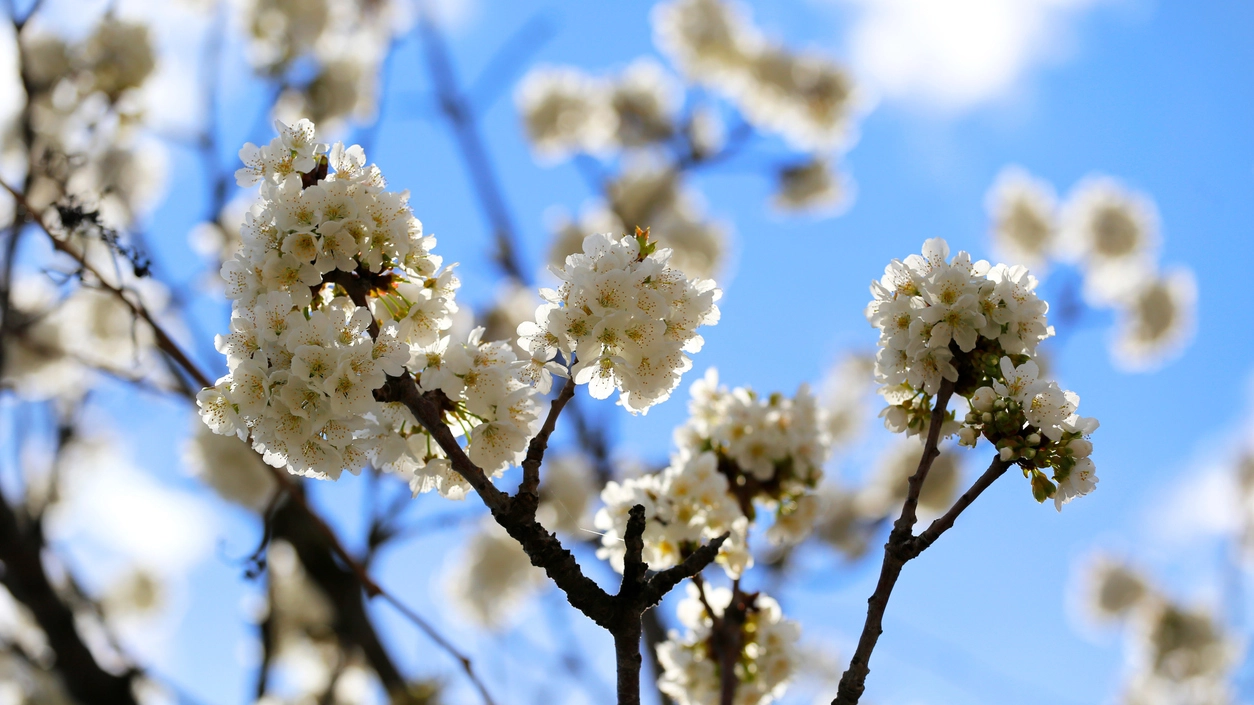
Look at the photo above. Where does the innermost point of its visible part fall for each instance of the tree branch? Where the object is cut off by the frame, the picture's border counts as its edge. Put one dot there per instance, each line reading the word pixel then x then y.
pixel 896 552
pixel 530 487
pixel 924 540
pixel 24 576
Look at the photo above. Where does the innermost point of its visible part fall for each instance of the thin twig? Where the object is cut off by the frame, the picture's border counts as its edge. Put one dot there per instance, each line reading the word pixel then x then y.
pixel 443 643
pixel 530 486
pixel 939 526
pixel 896 553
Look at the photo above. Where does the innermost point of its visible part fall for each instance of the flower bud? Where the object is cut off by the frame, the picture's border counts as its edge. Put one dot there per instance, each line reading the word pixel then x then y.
pixel 983 399
pixel 1034 439
pixel 1007 453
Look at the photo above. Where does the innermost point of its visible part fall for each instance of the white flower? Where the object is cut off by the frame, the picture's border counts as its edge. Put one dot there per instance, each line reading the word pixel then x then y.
pixel 625 317
pixel 1113 234
pixel 768 659
pixel 1156 321
pixel 1023 215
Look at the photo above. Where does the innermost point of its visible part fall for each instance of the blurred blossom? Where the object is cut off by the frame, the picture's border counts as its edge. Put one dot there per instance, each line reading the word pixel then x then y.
pixel 706 132
pixel 1185 644
pixel 645 98
pixel 840 522
pixel 1156 321
pixel 1113 588
pixel 119 55
pixel 1023 211
pixel 344 88
pixel 814 185
pixel 886 490
pixel 565 111
pixel 492 577
pixel 59 342
pixel 281 30
pixel 46 59
pixel 1112 233
pixel 711 41
pixel 37 364
pixel 1179 655
pixel 566 494
pixel 136 593
pixel 231 467
pixel 805 97
pixel 767 661
pixel 844 393
pixel 649 194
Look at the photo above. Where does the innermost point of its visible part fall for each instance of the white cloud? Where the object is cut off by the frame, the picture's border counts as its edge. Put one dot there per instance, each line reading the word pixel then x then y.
pixel 956 54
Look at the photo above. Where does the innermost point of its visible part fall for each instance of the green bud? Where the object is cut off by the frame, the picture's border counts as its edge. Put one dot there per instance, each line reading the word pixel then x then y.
pixel 1042 488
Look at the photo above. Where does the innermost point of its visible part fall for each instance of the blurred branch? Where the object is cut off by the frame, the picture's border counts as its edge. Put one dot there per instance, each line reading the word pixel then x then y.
pixel 24 575
pixel 461 118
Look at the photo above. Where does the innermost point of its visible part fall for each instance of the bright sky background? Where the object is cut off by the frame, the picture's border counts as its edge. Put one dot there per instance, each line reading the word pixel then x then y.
pixel 1156 93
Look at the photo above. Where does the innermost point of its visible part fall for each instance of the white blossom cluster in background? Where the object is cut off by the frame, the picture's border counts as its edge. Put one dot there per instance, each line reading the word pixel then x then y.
pixel 305 359
pixel 1177 653
pixel 86 113
pixel 623 317
pixel 978 327
pixel 346 41
pixel 736 450
pixel 567 111
pixel 1111 234
pixel 667 127
pixel 768 658
pixel 774 448
pixel 649 193
pixel 803 96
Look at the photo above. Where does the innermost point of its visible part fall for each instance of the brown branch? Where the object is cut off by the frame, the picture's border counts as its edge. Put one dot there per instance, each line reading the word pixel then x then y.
pixel 24 576
pixel 164 342
pixel 924 540
pixel 896 552
pixel 461 118
pixel 530 487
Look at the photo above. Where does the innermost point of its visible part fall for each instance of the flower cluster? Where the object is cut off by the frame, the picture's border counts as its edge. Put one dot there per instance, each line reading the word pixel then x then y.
pixel 686 504
pixel 1034 422
pixel 773 448
pixel 978 327
pixel 767 660
pixel 1111 234
pixel 805 97
pixel 334 290
pixel 625 318
pixel 337 47
pixel 1178 653
pixel 566 111
pixel 736 450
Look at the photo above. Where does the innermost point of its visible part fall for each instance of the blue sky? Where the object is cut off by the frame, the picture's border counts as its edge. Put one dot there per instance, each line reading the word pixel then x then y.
pixel 1157 94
